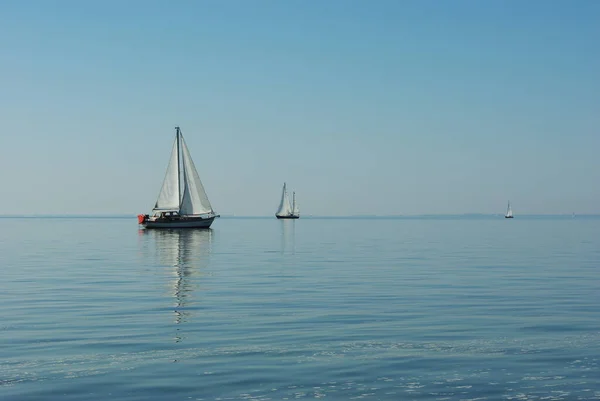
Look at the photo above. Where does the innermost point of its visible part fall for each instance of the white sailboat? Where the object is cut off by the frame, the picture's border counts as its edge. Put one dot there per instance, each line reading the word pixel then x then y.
pixel 182 201
pixel 509 213
pixel 287 210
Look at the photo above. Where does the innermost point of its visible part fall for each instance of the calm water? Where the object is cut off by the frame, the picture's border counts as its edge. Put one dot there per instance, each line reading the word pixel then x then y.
pixel 261 309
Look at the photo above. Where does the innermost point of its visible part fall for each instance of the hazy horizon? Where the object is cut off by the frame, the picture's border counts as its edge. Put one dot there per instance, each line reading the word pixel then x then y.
pixel 363 108
pixel 311 216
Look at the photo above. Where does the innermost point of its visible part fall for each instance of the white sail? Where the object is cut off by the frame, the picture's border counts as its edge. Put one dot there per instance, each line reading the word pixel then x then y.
pixel 284 206
pixel 509 212
pixel 168 198
pixel 194 200
pixel 295 210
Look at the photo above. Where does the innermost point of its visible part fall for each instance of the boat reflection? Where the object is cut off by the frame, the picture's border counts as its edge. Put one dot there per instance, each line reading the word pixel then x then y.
pixel 187 252
pixel 288 236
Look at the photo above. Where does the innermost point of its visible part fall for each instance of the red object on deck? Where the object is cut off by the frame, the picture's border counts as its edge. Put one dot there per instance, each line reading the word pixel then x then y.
pixel 141 218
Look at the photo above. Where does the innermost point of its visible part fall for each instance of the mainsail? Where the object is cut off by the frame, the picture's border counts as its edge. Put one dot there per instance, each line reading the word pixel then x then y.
pixel 182 189
pixel 285 208
pixel 168 198
pixel 509 212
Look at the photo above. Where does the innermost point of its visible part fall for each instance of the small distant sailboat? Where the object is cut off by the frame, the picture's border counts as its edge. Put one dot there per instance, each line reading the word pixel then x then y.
pixel 287 210
pixel 509 213
pixel 182 201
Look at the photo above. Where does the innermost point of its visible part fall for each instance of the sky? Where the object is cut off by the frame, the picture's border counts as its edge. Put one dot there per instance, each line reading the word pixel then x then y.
pixel 362 107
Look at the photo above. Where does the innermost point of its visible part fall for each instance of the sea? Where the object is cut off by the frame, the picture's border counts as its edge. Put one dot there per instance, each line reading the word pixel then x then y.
pixel 423 308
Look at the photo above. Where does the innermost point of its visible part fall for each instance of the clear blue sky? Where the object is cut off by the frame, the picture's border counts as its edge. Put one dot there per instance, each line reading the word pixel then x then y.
pixel 363 107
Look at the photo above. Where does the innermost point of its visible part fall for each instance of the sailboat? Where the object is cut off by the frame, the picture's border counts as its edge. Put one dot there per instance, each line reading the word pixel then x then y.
pixel 182 201
pixel 509 213
pixel 287 210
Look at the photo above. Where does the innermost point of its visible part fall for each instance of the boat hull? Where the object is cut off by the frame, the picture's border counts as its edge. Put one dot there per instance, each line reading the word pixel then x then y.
pixel 180 223
pixel 287 217
pixel 508 217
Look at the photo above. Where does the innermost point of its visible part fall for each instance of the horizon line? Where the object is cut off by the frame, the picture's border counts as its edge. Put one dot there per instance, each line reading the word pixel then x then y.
pixel 127 215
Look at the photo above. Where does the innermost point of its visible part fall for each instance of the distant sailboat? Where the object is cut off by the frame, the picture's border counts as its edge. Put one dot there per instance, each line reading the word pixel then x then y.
pixel 182 201
pixel 287 210
pixel 509 213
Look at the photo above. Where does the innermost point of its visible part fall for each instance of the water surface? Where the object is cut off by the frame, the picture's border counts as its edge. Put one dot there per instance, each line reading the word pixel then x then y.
pixel 263 309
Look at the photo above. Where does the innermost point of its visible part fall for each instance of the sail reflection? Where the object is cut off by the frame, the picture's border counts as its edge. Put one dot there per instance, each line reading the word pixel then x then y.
pixel 288 236
pixel 187 252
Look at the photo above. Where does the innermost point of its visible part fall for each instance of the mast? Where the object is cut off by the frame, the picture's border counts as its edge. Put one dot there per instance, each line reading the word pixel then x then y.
pixel 178 168
pixel 293 202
